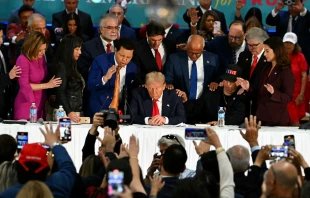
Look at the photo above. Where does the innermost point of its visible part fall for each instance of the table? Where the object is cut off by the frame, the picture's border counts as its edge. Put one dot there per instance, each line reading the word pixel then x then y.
pixel 149 135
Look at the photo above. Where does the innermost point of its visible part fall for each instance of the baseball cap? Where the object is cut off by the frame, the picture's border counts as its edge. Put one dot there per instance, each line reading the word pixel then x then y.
pixel 33 153
pixel 290 37
pixel 233 71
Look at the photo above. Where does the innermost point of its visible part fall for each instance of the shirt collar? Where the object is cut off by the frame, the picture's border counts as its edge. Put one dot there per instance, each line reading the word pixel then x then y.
pixel 204 10
pixel 259 55
pixel 116 64
pixel 160 99
pixel 167 30
pixel 200 57
pixel 106 42
pixel 76 11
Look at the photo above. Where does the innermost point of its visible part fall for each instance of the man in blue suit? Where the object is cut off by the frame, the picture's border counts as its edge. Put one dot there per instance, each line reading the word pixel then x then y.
pixel 296 19
pixel 102 75
pixel 192 70
pixel 155 105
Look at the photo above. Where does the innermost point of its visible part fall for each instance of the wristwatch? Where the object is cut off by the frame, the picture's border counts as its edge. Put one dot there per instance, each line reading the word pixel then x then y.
pixel 55 144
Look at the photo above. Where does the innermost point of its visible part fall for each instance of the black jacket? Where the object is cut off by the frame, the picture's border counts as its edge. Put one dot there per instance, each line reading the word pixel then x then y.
pixel 5 88
pixel 69 93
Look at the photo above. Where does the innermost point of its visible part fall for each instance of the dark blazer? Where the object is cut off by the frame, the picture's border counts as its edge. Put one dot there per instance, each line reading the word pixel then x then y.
pixel 141 106
pixel 301 29
pixel 90 50
pixel 220 14
pixel 272 109
pixel 5 87
pixel 167 190
pixel 245 62
pixel 14 18
pixel 144 58
pixel 176 71
pixel 101 95
pixel 205 109
pixel 86 23
pixel 127 32
pixel 173 34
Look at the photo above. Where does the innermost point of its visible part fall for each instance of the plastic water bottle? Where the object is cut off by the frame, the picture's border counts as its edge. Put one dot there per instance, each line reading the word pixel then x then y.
pixel 60 113
pixel 221 117
pixel 33 113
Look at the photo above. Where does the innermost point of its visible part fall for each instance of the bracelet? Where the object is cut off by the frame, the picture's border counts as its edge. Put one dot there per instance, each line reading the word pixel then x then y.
pixel 193 25
pixel 219 150
pixel 41 86
pixel 55 144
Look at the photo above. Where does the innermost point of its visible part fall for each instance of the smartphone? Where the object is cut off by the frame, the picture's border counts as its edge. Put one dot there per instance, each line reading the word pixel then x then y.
pixel 115 180
pixel 217 27
pixel 195 134
pixel 65 129
pixel 289 140
pixel 22 139
pixel 279 151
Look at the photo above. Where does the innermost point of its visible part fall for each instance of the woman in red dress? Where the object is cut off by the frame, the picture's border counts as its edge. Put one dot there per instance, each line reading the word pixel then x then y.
pixel 296 107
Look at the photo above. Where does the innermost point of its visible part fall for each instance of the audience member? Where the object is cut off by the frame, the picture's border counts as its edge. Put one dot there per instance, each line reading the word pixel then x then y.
pixel 253 12
pixel 108 75
pixel 152 53
pixel 191 187
pixel 253 61
pixel 85 19
pixel 34 189
pixel 8 175
pixel 155 105
pixel 296 107
pixel 276 85
pixel 8 148
pixel 32 87
pixel 124 31
pixel 200 10
pixel 194 70
pixel 70 92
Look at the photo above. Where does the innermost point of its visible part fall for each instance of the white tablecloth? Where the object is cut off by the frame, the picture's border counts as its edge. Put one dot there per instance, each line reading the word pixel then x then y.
pixel 149 136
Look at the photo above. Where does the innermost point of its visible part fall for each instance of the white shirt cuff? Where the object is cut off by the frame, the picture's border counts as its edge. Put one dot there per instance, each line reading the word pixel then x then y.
pixel 103 83
pixel 167 120
pixel 304 12
pixel 255 148
pixel 14 39
pixel 146 120
pixel 273 13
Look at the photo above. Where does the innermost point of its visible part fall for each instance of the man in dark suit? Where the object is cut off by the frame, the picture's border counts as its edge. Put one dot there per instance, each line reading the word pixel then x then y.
pixel 193 67
pixel 296 19
pixel 85 19
pixel 155 105
pixel 124 32
pixel 151 53
pixel 172 32
pixel 102 75
pixel 253 61
pixel 200 10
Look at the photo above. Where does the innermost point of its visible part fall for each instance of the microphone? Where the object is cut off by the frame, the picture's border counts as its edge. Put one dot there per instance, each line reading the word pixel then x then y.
pixel 242 126
pixel 125 96
pixel 103 102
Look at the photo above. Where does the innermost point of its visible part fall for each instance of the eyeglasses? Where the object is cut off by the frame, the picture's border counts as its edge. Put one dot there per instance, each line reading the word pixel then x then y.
pixel 111 27
pixel 192 53
pixel 172 137
pixel 237 38
pixel 253 45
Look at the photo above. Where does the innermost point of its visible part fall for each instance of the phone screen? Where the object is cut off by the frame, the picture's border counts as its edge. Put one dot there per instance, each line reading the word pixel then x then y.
pixel 289 140
pixel 22 139
pixel 279 151
pixel 115 180
pixel 195 134
pixel 65 129
pixel 216 27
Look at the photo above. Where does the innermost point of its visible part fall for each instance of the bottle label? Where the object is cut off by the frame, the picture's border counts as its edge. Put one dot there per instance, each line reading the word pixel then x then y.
pixel 61 114
pixel 221 115
pixel 33 112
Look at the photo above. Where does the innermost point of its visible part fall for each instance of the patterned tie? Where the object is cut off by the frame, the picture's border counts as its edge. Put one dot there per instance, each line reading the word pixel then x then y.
pixel 114 102
pixel 234 56
pixel 155 110
pixel 253 65
pixel 193 82
pixel 158 60
pixel 109 48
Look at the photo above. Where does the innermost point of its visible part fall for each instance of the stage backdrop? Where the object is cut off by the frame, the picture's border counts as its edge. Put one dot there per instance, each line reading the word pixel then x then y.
pixel 136 14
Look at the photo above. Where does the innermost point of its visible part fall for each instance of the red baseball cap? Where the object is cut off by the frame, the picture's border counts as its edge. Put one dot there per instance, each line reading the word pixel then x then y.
pixel 33 153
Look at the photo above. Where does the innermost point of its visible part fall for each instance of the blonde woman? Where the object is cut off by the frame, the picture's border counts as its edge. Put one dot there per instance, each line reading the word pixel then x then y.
pixel 35 189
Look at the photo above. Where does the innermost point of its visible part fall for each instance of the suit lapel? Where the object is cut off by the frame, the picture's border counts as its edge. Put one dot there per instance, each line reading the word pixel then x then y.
pixel 100 46
pixel 274 74
pixel 261 63
pixel 184 66
pixel 206 62
pixel 147 104
pixel 111 63
pixel 165 106
pixel 149 55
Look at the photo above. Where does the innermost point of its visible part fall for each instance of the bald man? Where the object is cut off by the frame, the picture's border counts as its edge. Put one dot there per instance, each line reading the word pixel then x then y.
pixel 192 70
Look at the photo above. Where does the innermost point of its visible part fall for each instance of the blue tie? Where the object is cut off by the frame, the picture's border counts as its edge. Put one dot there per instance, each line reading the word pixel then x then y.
pixel 193 83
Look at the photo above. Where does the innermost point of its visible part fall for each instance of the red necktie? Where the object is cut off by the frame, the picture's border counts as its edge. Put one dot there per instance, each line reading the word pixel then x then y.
pixel 155 110
pixel 109 48
pixel 253 65
pixel 158 59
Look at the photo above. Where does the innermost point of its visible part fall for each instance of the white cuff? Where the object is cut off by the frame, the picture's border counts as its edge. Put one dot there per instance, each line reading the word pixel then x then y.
pixel 103 83
pixel 273 13
pixel 13 40
pixel 167 120
pixel 146 120
pixel 304 12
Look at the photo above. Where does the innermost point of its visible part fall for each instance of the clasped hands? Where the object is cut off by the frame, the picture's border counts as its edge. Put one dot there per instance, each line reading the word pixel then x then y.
pixel 157 120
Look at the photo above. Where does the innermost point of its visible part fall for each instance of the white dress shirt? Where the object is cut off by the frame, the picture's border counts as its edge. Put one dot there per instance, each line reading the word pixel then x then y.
pixel 163 55
pixel 241 49
pixel 200 74
pixel 76 11
pixel 104 42
pixel 167 30
pixel 258 56
pixel 160 107
pixel 119 31
pixel 204 10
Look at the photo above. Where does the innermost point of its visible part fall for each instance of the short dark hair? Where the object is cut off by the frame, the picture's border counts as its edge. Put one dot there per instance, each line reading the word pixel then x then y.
pixel 238 22
pixel 8 147
pixel 210 164
pixel 121 165
pixel 155 28
pixel 174 159
pixel 191 187
pixel 25 8
pixel 125 43
pixel 254 12
pixel 24 176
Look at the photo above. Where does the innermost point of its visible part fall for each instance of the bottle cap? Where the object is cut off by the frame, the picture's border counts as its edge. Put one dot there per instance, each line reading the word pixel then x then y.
pixel 60 106
pixel 33 103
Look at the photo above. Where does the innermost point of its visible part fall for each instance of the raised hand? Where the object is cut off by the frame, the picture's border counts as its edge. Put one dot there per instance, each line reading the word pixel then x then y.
pixel 202 147
pixel 50 137
pixel 239 4
pixel 280 5
pixel 251 133
pixel 213 139
pixel 133 147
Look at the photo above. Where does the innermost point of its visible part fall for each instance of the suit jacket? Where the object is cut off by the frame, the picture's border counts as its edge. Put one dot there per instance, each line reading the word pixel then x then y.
pixel 101 95
pixel 220 14
pixel 176 71
pixel 144 58
pixel 301 29
pixel 90 50
pixel 167 190
pixel 272 109
pixel 14 18
pixel 245 62
pixel 127 32
pixel 5 88
pixel 173 34
pixel 86 22
pixel 141 106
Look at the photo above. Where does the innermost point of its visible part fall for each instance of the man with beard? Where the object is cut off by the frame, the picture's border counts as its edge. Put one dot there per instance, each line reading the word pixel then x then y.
pixel 229 47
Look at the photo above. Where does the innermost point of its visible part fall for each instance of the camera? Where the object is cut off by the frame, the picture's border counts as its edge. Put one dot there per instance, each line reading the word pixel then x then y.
pixel 111 118
pixel 289 2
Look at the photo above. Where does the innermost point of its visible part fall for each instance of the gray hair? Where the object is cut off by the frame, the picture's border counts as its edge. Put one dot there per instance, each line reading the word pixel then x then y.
pixel 239 158
pixel 154 77
pixel 170 142
pixel 116 6
pixel 105 17
pixel 190 38
pixel 8 175
pixel 257 34
pixel 34 18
